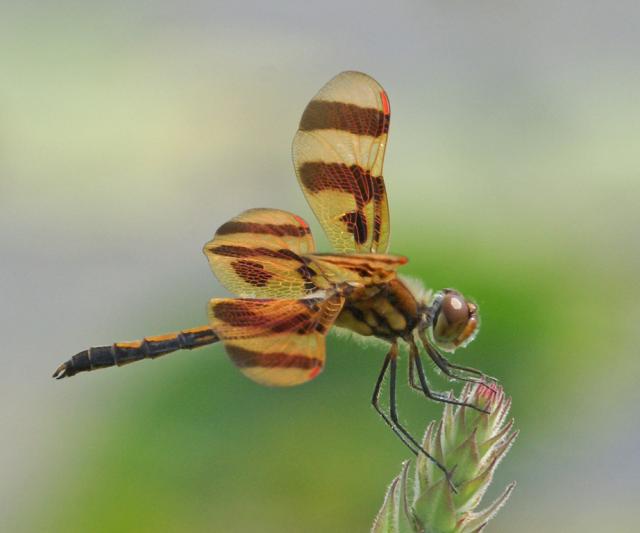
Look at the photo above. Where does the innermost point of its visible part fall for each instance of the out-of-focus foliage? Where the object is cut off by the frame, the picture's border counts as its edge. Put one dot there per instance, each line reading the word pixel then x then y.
pixel 470 445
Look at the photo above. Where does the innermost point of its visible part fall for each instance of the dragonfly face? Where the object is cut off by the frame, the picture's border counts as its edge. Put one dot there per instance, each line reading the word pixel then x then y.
pixel 454 320
pixel 288 295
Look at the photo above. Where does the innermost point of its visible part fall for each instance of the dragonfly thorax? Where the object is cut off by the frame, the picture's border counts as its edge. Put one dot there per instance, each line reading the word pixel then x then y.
pixel 387 311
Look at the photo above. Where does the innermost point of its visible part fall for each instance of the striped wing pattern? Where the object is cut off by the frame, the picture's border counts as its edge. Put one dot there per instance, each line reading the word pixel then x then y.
pixel 338 154
pixel 260 252
pixel 356 269
pixel 275 342
pixel 276 333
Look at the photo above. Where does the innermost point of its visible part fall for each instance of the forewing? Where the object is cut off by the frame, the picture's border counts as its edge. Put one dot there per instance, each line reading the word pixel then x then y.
pixel 275 342
pixel 356 269
pixel 258 254
pixel 338 154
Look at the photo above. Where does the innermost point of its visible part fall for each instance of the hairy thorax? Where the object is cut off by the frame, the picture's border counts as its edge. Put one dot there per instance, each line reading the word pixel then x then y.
pixel 385 311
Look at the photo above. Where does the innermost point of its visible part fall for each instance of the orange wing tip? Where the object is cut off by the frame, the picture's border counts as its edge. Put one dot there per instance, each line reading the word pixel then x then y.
pixel 385 103
pixel 314 373
pixel 301 221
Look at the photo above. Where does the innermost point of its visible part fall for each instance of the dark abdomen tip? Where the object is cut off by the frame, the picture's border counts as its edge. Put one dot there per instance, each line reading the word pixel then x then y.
pixel 63 371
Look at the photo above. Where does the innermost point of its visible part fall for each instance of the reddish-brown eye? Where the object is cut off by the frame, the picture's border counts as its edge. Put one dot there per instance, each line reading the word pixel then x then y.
pixel 454 308
pixel 455 322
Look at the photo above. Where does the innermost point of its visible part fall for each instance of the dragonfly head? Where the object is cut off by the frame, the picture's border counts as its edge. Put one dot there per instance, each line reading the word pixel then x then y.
pixel 454 320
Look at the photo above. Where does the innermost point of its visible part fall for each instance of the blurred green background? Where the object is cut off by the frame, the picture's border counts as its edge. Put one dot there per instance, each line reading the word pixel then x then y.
pixel 129 131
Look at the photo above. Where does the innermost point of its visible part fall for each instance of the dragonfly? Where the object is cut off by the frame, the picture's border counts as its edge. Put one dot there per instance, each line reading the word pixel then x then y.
pixel 290 295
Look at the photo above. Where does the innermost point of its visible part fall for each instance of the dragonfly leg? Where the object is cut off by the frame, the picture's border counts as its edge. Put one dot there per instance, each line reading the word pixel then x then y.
pixel 446 366
pixel 391 364
pixel 412 378
pixel 375 401
pixel 414 359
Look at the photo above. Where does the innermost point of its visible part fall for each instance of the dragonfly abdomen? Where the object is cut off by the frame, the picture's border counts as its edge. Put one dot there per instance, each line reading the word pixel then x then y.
pixel 122 353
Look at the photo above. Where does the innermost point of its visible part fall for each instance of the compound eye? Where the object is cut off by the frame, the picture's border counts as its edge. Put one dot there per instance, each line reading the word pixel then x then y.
pixel 454 309
pixel 455 322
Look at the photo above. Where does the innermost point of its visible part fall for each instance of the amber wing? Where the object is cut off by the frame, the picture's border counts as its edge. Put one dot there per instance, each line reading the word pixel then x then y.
pixel 338 154
pixel 355 269
pixel 275 342
pixel 260 253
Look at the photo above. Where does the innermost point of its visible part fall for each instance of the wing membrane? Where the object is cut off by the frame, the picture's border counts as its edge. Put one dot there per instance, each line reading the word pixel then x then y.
pixel 275 342
pixel 360 269
pixel 259 254
pixel 338 154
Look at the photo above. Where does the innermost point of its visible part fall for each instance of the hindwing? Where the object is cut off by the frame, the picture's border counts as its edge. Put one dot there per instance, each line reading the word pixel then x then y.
pixel 275 342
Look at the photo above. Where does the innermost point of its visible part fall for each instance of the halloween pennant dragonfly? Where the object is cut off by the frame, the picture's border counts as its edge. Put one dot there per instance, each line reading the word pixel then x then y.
pixel 291 295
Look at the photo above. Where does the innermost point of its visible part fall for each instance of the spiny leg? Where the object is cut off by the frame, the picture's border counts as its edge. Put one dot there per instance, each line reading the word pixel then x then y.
pixel 445 366
pixel 394 418
pixel 375 401
pixel 392 421
pixel 413 355
pixel 442 365
pixel 485 377
pixel 414 359
pixel 412 378
pixel 467 369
